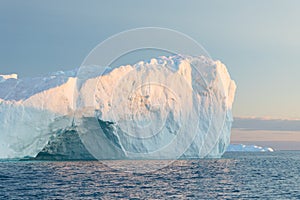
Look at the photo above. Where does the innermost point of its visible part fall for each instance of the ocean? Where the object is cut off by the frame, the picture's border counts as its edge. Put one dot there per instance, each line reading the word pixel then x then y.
pixel 237 175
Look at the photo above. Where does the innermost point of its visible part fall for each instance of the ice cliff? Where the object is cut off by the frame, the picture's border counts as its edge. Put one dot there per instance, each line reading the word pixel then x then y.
pixel 165 108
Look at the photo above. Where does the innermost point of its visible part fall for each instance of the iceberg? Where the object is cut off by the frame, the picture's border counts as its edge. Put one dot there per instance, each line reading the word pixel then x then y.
pixel 165 108
pixel 248 148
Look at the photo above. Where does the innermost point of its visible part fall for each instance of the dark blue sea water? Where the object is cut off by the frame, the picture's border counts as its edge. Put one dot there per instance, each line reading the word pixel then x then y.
pixel 235 176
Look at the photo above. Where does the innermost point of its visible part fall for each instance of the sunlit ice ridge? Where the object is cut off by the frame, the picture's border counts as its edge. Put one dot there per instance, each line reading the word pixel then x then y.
pixel 165 108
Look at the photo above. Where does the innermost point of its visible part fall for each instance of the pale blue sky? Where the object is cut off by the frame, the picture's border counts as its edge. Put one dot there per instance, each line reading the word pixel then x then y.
pixel 259 41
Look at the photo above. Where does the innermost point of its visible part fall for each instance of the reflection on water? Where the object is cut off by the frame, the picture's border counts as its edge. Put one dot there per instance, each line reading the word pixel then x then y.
pixel 237 175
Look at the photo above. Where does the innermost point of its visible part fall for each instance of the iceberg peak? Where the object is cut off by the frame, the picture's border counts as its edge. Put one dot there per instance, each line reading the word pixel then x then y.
pixel 8 76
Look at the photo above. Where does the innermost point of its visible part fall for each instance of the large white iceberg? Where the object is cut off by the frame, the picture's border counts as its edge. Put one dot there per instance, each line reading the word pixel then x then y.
pixel 166 108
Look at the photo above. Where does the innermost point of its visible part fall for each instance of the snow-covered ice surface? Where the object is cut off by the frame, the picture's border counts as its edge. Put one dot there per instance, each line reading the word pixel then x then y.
pixel 248 148
pixel 8 76
pixel 166 108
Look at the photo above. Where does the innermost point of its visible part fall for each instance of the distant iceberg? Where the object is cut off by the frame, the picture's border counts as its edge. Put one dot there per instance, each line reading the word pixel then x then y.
pixel 166 108
pixel 248 148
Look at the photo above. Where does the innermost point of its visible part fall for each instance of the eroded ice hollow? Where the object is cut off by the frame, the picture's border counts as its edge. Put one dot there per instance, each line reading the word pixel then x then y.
pixel 166 108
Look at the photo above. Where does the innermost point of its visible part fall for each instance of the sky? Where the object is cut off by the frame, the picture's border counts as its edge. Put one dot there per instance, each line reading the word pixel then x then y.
pixel 257 40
